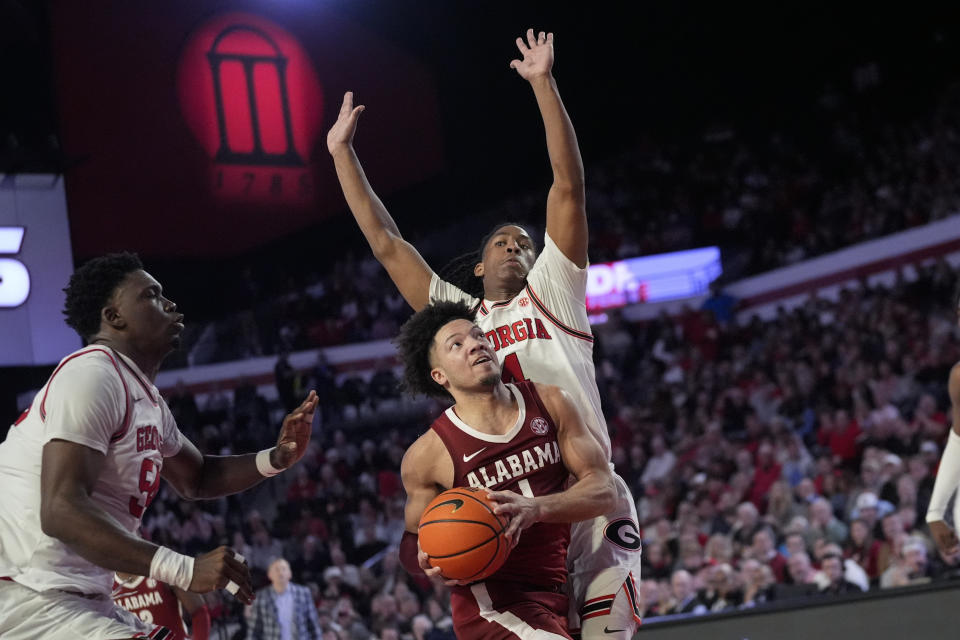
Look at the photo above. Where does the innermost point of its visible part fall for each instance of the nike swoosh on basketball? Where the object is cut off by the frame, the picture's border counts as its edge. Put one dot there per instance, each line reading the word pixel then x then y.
pixel 609 630
pixel 468 458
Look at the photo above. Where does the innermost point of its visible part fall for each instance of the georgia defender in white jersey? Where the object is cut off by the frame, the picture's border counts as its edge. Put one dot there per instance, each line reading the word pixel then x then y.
pixel 81 465
pixel 535 316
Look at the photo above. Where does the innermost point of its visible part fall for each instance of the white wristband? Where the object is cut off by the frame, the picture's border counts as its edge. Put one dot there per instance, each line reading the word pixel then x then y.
pixel 948 477
pixel 264 466
pixel 172 568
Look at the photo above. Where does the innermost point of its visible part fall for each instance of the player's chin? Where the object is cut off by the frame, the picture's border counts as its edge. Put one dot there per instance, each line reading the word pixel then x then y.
pixel 490 379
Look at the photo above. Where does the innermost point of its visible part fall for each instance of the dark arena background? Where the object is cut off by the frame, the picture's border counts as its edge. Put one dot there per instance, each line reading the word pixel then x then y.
pixel 773 194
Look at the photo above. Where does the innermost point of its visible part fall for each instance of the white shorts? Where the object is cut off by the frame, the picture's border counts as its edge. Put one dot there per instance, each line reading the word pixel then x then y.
pixel 26 614
pixel 603 562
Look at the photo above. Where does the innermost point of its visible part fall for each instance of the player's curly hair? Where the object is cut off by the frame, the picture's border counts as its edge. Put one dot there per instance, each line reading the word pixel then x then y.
pixel 459 271
pixel 416 340
pixel 91 287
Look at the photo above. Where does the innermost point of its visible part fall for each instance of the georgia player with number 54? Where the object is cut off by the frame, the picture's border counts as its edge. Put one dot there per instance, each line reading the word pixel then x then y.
pixel 81 465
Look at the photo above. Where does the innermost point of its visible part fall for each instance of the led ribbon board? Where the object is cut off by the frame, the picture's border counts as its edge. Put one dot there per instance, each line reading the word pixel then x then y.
pixel 665 276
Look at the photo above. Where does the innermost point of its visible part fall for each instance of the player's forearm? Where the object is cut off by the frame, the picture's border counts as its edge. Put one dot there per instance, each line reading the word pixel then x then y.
pixel 225 475
pixel 589 497
pixel 562 144
pixel 91 533
pixel 372 217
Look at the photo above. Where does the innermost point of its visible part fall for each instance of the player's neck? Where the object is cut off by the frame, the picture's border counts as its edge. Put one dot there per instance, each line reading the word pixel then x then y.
pixel 501 291
pixel 148 364
pixel 492 411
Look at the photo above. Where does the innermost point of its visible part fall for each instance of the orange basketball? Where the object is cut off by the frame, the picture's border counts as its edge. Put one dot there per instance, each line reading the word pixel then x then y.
pixel 462 535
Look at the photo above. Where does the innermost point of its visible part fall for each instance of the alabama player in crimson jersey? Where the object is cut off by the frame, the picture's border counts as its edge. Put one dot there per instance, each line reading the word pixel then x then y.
pixel 532 308
pixel 81 465
pixel 158 603
pixel 521 442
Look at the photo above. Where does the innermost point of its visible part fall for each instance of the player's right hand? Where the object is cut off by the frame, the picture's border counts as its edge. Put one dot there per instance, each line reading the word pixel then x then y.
pixel 433 572
pixel 216 569
pixel 341 133
pixel 945 537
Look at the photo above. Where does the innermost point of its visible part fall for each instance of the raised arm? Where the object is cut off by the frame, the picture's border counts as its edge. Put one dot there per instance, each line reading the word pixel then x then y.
pixel 196 476
pixel 592 494
pixel 406 266
pixel 566 212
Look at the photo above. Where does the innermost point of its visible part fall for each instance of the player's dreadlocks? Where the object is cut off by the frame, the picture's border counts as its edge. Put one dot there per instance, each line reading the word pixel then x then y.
pixel 416 340
pixel 459 271
pixel 91 287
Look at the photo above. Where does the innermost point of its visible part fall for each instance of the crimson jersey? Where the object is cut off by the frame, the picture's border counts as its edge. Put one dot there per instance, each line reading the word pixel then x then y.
pixel 153 602
pixel 526 460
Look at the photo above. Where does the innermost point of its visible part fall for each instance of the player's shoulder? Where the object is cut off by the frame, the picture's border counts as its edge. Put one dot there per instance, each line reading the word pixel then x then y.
pixel 423 453
pixel 88 366
pixel 554 398
pixel 549 391
pixel 955 374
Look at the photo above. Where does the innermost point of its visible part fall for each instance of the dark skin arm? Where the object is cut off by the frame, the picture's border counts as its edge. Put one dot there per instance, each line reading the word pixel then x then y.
pixel 566 201
pixel 68 475
pixel 403 262
pixel 197 477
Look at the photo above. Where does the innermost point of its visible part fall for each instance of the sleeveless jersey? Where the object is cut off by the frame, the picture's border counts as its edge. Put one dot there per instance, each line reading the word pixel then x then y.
pixel 98 398
pixel 543 333
pixel 526 460
pixel 153 602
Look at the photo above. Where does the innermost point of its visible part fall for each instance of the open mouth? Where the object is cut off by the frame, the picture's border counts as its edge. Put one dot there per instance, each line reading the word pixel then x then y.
pixel 481 360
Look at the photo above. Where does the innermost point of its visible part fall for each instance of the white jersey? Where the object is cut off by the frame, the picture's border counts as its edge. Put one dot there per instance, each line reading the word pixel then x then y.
pixel 543 333
pixel 100 399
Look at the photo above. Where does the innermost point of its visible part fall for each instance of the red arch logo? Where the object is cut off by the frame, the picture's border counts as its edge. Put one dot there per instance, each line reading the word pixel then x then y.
pixel 251 97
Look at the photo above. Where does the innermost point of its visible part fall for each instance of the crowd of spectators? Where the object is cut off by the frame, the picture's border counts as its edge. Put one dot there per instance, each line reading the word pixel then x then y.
pixel 770 460
pixel 848 172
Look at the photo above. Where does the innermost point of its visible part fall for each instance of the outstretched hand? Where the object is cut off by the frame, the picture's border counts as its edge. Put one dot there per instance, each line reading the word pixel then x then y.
pixel 295 434
pixel 341 133
pixel 537 55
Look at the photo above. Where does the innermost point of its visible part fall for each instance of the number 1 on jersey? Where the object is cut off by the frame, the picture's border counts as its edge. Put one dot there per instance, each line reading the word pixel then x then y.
pixel 512 371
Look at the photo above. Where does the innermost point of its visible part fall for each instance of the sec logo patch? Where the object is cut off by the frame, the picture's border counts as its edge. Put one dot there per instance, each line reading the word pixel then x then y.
pixel 539 426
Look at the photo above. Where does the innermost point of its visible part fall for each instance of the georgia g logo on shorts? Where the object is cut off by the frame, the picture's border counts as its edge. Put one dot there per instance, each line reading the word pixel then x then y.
pixel 624 533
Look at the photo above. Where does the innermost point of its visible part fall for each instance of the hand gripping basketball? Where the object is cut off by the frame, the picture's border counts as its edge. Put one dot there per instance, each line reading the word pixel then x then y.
pixel 461 536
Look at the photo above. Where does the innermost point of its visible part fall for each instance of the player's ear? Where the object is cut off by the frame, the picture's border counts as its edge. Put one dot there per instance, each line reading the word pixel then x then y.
pixel 110 316
pixel 478 270
pixel 438 376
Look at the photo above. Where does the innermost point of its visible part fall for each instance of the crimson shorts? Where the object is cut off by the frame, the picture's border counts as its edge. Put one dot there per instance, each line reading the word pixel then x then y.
pixel 494 610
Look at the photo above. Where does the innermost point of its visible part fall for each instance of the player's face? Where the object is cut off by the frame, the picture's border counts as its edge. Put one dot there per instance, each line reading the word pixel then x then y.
pixel 463 358
pixel 508 256
pixel 150 320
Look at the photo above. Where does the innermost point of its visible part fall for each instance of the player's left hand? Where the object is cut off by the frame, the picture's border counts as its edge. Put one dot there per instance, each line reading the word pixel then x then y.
pixel 294 434
pixel 523 512
pixel 537 55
